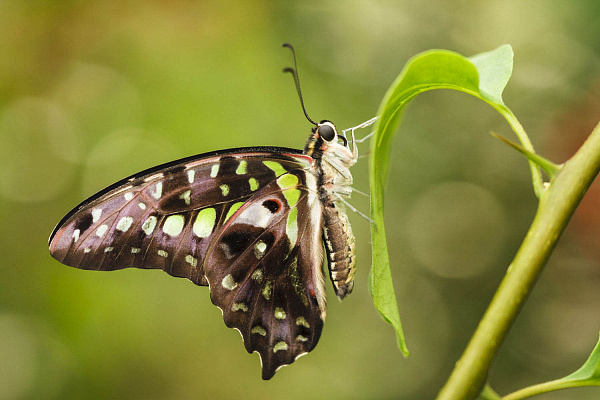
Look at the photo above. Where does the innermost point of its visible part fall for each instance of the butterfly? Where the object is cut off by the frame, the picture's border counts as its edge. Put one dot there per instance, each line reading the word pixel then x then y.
pixel 249 223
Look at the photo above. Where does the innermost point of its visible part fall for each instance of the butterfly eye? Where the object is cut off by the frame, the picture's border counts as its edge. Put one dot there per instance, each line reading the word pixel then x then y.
pixel 326 132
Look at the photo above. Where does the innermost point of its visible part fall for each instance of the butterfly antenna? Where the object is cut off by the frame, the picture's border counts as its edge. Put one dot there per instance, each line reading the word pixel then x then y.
pixel 294 72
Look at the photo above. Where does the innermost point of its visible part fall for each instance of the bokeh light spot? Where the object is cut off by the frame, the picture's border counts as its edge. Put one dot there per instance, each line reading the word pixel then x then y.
pixel 456 229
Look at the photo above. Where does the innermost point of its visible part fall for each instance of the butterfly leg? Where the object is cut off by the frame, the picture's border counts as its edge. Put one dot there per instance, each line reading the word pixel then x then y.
pixel 350 206
pixel 361 193
pixel 354 140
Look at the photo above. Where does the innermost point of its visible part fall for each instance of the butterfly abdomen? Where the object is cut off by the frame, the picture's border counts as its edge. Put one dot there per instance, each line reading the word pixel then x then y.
pixel 339 242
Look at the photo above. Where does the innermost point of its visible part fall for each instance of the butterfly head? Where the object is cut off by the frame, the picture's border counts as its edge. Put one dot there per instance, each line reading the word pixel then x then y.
pixel 326 140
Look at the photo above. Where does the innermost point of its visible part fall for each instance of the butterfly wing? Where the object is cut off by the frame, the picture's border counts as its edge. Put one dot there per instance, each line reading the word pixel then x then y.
pixel 264 270
pixel 148 220
pixel 208 218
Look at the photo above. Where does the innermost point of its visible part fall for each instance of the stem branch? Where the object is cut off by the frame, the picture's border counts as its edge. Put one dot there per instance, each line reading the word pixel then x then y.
pixel 546 387
pixel 557 204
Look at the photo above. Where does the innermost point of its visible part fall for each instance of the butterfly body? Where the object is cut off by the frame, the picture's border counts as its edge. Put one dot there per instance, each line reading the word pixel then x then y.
pixel 249 223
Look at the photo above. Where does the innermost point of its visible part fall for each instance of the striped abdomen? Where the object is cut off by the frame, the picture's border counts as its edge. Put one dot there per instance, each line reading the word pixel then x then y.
pixel 340 248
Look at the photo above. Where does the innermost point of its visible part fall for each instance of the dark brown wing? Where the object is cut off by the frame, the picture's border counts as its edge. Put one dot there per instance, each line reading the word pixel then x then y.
pixel 264 270
pixel 249 222
pixel 165 217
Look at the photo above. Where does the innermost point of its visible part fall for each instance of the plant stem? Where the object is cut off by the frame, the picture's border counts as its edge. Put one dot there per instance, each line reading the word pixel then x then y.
pixel 526 143
pixel 546 387
pixel 557 204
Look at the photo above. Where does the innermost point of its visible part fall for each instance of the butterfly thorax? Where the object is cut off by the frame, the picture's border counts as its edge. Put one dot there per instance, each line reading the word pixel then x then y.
pixel 333 161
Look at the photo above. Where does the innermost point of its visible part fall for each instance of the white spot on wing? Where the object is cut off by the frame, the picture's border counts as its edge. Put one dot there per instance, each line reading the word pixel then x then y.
pixel 149 225
pixel 256 215
pixel 96 213
pixel 185 196
pixel 173 225
pixel 190 259
pixel 228 282
pixel 157 191
pixel 214 170
pixel 142 206
pixel 128 196
pixel 101 230
pixel 124 224
pixel 76 233
pixel 259 249
pixel 162 253
pixel 190 175
pixel 311 183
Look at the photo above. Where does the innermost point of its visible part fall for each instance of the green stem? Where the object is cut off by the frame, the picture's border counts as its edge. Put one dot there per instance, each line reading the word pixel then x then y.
pixel 526 143
pixel 546 387
pixel 557 204
pixel 547 165
pixel 487 393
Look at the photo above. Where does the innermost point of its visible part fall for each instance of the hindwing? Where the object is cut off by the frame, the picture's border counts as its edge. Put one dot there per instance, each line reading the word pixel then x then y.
pixel 264 270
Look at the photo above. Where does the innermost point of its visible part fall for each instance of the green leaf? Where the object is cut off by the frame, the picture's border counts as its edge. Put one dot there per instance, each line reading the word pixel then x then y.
pixel 483 76
pixel 494 68
pixel 587 375
pixel 590 370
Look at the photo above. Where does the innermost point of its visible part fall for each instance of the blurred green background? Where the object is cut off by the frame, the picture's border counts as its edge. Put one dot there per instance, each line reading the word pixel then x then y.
pixel 91 92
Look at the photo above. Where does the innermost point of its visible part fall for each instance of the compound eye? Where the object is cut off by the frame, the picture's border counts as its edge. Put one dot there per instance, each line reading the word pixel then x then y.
pixel 326 132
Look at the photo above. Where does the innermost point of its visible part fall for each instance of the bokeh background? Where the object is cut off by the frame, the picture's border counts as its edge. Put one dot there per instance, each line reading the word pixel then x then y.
pixel 91 92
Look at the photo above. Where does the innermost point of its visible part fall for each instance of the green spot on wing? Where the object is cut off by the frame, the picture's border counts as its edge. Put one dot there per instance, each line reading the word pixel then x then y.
pixel 266 292
pixel 287 181
pixel 279 313
pixel 205 222
pixel 276 167
pixel 291 196
pixel 233 209
pixel 224 190
pixel 291 229
pixel 259 330
pixel 280 346
pixel 242 168
pixel 288 184
pixel 253 184
pixel 239 307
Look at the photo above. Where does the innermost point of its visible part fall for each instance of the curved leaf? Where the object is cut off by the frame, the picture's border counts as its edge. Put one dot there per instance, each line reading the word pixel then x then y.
pixel 587 375
pixel 483 76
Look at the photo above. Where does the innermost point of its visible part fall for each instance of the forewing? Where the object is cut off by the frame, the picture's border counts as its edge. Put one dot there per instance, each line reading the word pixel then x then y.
pixel 264 270
pixel 167 216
